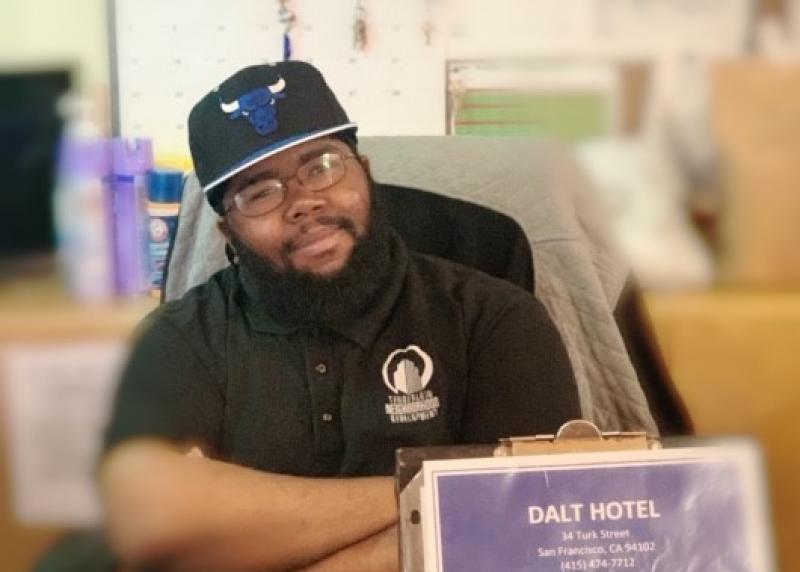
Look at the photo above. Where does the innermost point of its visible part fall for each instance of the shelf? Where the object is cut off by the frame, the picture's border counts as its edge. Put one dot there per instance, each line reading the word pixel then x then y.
pixel 40 310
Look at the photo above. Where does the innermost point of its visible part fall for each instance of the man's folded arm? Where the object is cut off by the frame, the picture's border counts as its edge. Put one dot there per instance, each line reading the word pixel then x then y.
pixel 378 553
pixel 189 513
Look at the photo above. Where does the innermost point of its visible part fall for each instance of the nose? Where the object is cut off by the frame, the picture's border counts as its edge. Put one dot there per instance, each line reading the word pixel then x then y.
pixel 301 202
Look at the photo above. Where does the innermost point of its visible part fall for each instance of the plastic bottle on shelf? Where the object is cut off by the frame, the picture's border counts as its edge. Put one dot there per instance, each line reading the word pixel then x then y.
pixel 82 203
pixel 163 206
pixel 132 161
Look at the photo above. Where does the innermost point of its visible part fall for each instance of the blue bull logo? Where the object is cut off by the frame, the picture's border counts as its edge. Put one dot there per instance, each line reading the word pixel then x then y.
pixel 258 106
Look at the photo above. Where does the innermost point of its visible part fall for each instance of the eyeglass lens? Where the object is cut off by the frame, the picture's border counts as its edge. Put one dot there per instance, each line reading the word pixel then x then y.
pixel 265 195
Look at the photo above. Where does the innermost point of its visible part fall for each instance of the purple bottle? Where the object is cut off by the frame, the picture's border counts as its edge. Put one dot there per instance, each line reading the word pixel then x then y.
pixel 132 160
pixel 82 208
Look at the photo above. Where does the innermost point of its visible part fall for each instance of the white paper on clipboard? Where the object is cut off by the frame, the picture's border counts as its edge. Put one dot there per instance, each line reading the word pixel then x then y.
pixel 658 510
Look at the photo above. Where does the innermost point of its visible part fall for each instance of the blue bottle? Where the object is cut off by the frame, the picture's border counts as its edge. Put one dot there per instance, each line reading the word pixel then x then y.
pixel 163 207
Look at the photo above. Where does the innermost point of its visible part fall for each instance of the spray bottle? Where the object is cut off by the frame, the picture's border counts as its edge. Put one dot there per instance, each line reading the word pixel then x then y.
pixel 132 160
pixel 82 205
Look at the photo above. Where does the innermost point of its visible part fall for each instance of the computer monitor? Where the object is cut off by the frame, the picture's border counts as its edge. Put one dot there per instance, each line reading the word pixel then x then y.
pixel 30 128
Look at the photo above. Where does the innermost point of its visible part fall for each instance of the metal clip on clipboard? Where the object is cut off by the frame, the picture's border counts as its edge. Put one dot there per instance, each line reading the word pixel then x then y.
pixel 575 436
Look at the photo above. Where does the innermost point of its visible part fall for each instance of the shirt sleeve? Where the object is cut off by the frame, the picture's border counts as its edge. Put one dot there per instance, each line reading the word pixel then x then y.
pixel 167 390
pixel 521 381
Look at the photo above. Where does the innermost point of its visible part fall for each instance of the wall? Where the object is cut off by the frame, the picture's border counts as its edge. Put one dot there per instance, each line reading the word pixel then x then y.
pixel 41 33
pixel 171 54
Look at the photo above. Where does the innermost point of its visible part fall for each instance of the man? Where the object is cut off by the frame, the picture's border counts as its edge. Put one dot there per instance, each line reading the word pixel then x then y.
pixel 292 376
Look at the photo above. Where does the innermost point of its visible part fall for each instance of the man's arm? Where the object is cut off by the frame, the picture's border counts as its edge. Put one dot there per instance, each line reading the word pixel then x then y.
pixel 378 553
pixel 189 513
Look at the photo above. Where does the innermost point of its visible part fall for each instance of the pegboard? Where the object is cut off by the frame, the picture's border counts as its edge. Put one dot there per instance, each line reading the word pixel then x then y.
pixel 167 54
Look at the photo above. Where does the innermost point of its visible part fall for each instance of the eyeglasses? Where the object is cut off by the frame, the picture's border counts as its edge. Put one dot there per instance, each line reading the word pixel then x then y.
pixel 266 195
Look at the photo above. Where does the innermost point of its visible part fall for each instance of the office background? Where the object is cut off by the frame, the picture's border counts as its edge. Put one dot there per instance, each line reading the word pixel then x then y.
pixel 689 127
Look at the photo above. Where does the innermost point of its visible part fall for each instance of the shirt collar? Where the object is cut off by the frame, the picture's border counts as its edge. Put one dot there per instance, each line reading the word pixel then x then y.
pixel 361 329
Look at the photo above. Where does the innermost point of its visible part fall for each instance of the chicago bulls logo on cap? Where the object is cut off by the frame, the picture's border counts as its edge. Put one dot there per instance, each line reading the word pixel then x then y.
pixel 258 106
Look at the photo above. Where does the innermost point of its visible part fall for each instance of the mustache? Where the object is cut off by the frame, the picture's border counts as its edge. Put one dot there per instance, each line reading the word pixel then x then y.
pixel 341 222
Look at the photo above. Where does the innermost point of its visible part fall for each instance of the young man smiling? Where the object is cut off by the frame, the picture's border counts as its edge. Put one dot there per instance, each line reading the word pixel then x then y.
pixel 293 375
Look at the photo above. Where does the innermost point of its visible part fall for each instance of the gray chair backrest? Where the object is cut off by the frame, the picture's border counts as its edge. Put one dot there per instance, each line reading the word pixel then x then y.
pixel 579 272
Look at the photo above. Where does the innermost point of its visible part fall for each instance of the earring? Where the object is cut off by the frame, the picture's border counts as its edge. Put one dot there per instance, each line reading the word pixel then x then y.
pixel 231 254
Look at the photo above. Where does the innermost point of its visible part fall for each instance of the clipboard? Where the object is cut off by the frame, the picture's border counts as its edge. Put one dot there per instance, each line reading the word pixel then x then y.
pixel 581 446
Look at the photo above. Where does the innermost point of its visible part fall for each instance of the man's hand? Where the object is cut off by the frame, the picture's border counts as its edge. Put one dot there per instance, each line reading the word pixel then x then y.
pixel 195 453
pixel 188 512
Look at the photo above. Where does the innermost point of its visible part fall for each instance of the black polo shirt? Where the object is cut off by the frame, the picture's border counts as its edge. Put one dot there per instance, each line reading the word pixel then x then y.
pixel 447 355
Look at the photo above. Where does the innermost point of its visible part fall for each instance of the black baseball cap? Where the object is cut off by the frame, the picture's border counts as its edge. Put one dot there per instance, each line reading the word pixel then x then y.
pixel 257 112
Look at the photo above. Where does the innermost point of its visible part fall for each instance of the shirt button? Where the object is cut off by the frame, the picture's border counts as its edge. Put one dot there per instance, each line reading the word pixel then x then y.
pixel 327 417
pixel 321 368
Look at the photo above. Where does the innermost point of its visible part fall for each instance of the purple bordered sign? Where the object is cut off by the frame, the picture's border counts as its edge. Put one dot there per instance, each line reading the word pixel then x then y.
pixel 665 510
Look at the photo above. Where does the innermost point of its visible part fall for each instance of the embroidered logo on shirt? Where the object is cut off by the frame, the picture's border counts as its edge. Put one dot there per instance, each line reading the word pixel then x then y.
pixel 407 372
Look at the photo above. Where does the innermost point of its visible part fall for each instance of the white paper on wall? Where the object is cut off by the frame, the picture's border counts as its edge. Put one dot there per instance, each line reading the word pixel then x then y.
pixel 57 399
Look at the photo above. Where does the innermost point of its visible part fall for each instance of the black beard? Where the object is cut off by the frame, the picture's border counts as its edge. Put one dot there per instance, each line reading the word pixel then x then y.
pixel 308 300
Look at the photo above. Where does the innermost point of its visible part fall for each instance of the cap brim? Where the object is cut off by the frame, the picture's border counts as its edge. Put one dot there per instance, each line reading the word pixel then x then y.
pixel 271 150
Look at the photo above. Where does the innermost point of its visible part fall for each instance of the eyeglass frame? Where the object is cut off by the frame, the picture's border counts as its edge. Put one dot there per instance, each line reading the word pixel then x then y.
pixel 285 180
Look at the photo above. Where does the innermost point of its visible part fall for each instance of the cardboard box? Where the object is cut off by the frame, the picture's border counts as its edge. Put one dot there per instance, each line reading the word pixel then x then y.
pixel 756 119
